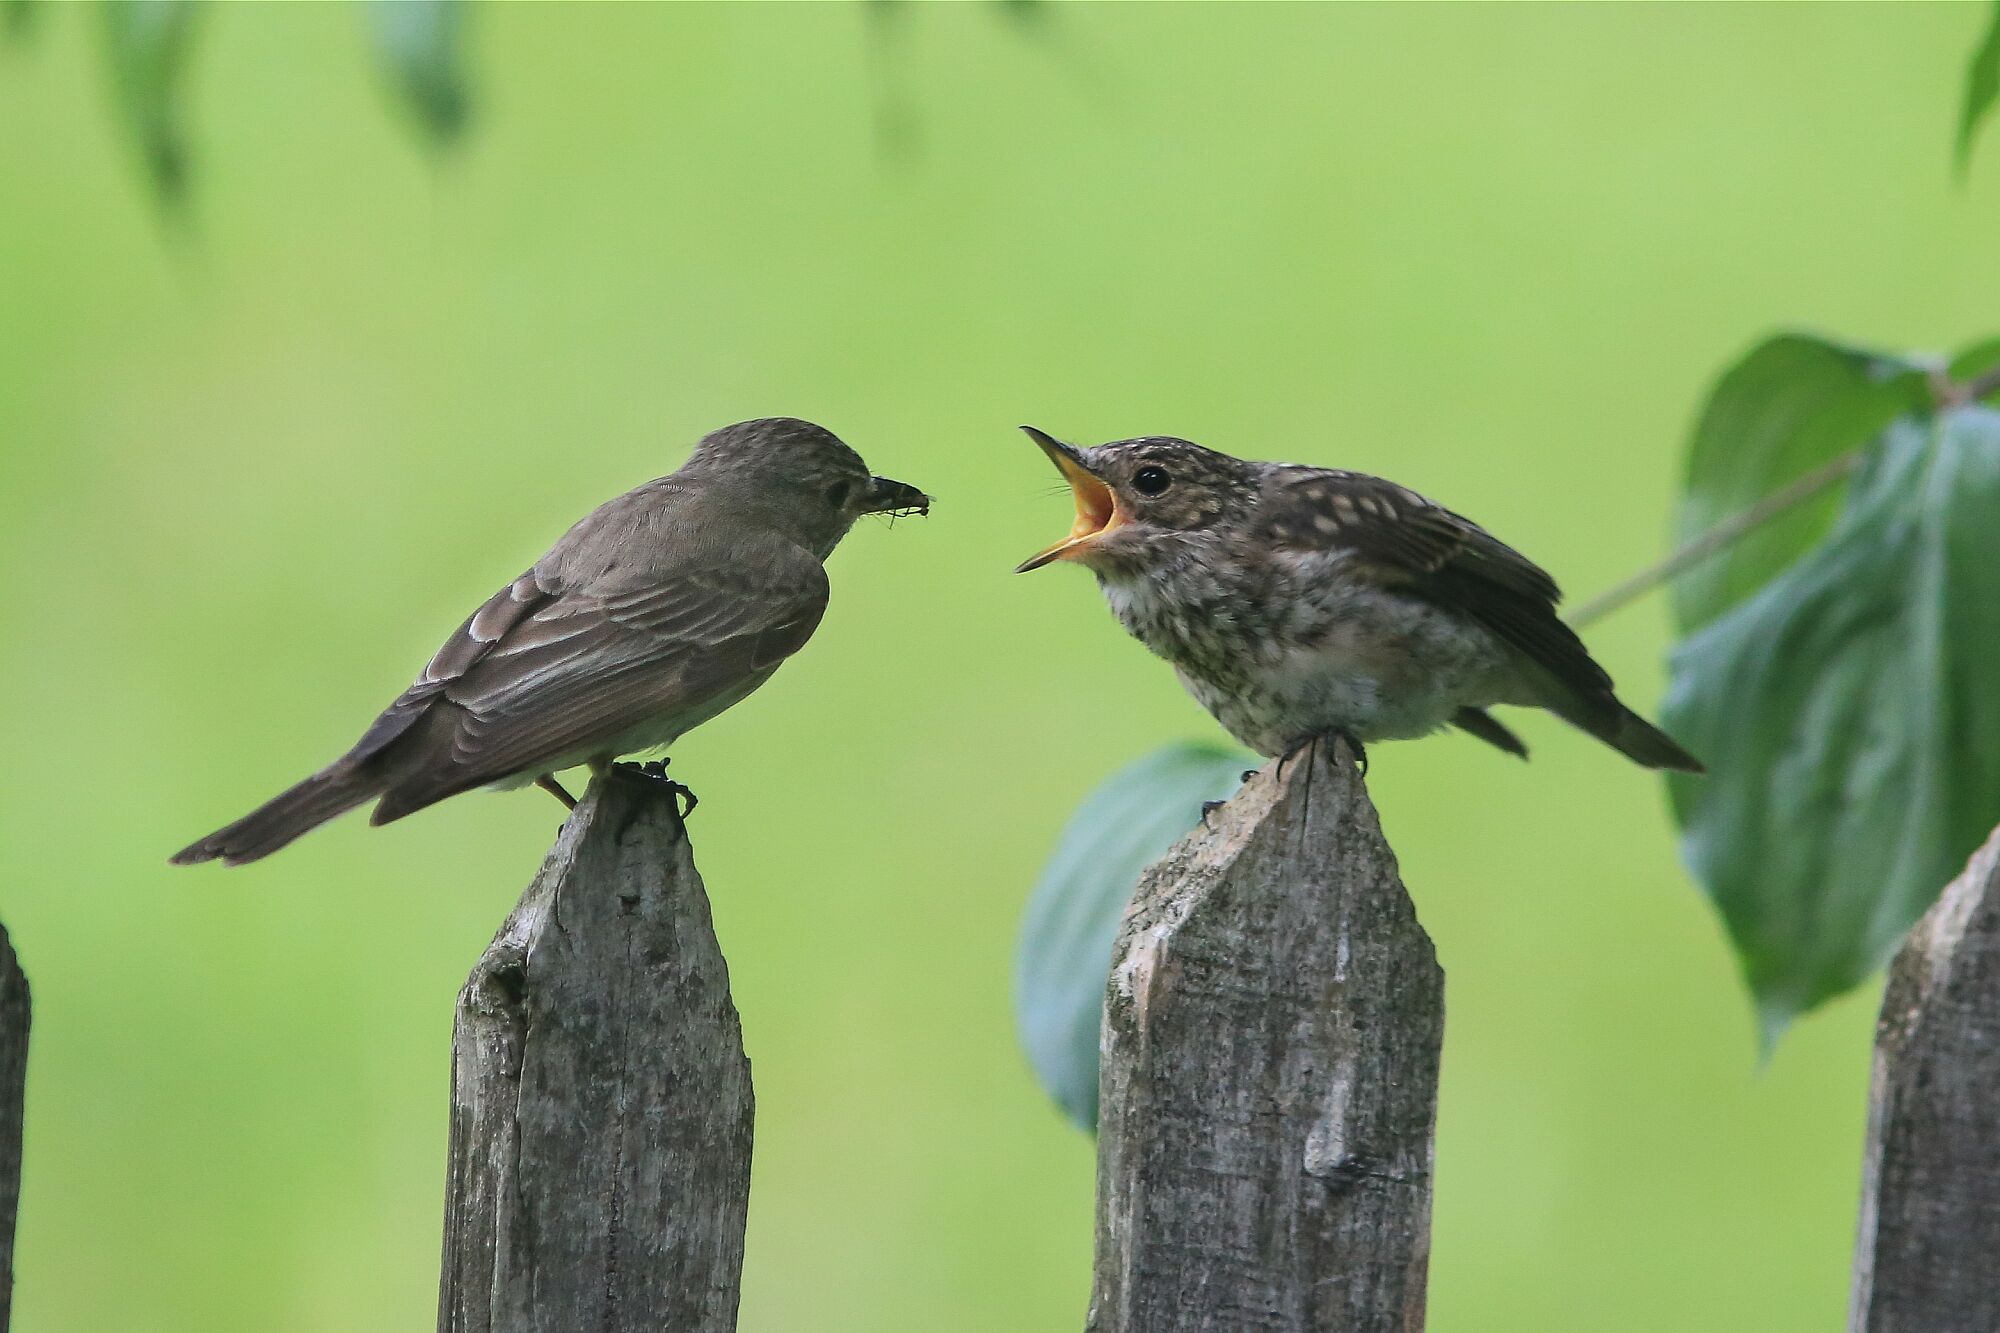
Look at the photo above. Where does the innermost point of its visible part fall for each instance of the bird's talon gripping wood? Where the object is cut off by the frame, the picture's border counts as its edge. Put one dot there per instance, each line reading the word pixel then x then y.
pixel 1300 601
pixel 655 770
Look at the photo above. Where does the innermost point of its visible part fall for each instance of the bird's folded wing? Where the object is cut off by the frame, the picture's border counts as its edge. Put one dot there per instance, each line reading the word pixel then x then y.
pixel 1402 540
pixel 584 669
pixel 502 612
pixel 541 671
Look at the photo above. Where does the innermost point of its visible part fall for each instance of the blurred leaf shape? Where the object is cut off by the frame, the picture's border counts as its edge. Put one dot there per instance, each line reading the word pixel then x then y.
pixel 147 44
pixel 1028 15
pixel 1848 709
pixel 1794 405
pixel 420 45
pixel 1063 957
pixel 18 18
pixel 899 125
pixel 1982 90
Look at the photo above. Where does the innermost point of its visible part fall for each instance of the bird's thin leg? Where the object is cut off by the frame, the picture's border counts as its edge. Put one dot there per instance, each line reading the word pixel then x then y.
pixel 547 782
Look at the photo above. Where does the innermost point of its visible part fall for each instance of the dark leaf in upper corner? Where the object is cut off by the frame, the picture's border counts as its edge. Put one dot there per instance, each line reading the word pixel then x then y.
pixel 147 43
pixel 1026 14
pixel 17 17
pixel 421 47
pixel 1982 89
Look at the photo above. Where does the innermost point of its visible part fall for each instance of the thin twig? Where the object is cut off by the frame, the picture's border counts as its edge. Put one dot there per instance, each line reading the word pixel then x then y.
pixel 1723 534
pixel 1979 386
pixel 1946 394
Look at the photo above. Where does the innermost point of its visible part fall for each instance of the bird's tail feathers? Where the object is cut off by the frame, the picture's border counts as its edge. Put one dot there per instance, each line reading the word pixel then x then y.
pixel 1643 743
pixel 420 792
pixel 1480 723
pixel 1603 715
pixel 286 816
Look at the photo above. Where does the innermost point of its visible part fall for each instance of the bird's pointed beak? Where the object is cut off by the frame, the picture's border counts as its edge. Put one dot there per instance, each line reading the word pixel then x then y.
pixel 895 497
pixel 1097 510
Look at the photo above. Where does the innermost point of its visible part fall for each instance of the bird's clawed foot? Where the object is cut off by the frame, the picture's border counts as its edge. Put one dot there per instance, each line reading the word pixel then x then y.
pixel 656 771
pixel 1208 808
pixel 1339 733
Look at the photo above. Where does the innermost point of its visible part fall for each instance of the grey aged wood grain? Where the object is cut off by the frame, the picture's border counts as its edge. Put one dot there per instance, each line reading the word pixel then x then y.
pixel 1269 1075
pixel 601 1107
pixel 1928 1256
pixel 13 1083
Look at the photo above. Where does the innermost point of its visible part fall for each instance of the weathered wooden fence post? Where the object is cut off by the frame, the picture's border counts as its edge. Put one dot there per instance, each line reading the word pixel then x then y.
pixel 601 1106
pixel 1927 1259
pixel 1269 1076
pixel 14 1008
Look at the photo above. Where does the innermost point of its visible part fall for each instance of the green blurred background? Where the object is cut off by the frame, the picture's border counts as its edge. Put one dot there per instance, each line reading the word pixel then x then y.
pixel 252 473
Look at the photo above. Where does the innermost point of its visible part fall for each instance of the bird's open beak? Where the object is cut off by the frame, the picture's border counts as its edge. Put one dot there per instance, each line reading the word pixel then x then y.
pixel 1097 510
pixel 893 497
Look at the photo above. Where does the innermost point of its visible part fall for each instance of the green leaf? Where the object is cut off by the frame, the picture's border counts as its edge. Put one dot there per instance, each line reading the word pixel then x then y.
pixel 18 18
pixel 1794 404
pixel 1064 955
pixel 420 45
pixel 1850 716
pixel 1025 14
pixel 1982 89
pixel 147 44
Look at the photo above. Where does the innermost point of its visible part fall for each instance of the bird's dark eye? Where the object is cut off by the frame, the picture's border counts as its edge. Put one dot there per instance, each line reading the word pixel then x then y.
pixel 836 494
pixel 1150 480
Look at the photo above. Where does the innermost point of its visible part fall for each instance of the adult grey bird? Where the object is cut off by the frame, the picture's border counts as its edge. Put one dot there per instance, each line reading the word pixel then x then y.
pixel 1301 602
pixel 657 611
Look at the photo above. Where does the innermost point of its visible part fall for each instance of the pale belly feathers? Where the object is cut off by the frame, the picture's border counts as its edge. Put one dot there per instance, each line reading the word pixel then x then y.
pixel 1278 666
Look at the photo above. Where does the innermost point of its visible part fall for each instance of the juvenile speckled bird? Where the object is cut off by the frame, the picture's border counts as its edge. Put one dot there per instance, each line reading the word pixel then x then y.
pixel 1301 602
pixel 654 613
